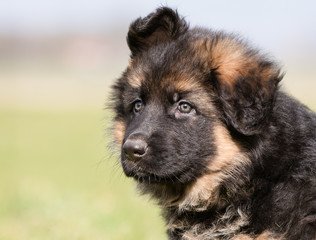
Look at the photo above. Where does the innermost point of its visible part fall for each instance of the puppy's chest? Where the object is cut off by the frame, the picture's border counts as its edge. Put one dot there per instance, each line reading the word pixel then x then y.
pixel 211 225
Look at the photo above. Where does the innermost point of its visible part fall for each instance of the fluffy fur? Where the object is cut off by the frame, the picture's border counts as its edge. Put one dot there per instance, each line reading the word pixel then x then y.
pixel 205 130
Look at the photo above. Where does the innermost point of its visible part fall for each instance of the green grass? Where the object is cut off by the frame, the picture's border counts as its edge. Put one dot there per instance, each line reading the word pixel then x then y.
pixel 58 181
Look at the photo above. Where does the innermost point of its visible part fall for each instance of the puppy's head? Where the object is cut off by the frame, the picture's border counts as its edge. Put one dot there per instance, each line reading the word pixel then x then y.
pixel 182 91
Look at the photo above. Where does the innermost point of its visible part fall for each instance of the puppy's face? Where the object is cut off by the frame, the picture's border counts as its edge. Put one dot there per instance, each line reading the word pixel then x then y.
pixel 168 117
pixel 182 87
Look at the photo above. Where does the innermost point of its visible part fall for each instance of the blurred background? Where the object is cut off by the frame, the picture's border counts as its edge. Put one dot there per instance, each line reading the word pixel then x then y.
pixel 58 180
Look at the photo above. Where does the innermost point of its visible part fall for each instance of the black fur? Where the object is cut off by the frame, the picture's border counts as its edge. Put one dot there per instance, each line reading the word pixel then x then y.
pixel 227 83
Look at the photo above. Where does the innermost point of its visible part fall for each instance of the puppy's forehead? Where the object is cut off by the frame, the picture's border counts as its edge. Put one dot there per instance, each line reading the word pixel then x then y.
pixel 174 69
pixel 168 82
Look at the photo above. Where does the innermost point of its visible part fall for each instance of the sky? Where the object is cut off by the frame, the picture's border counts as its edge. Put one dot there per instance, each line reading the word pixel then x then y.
pixel 61 15
pixel 268 23
pixel 285 29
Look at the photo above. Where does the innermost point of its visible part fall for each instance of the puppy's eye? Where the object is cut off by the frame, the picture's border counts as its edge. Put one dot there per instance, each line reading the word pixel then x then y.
pixel 185 107
pixel 138 105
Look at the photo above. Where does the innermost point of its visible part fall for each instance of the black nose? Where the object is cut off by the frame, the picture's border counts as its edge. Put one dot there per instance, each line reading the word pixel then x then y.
pixel 135 149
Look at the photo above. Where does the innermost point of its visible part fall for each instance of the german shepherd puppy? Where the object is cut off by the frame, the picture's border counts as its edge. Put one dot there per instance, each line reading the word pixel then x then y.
pixel 204 129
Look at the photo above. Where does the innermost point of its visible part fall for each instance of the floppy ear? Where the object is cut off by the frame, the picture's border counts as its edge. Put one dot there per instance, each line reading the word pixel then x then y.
pixel 246 83
pixel 164 25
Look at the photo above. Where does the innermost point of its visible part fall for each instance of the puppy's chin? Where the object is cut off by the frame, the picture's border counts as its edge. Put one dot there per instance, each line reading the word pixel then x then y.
pixel 142 175
pixel 146 177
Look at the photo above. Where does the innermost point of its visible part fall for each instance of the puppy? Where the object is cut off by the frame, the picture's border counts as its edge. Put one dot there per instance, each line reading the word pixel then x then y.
pixel 204 129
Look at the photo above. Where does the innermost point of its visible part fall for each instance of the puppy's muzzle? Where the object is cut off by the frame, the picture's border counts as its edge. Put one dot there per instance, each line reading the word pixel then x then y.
pixel 135 148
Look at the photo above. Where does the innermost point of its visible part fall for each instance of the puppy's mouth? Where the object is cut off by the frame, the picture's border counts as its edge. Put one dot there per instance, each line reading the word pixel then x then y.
pixel 143 175
pixel 152 178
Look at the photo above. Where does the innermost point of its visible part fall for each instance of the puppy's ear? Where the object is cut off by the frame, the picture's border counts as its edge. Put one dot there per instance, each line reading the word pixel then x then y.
pixel 246 83
pixel 164 25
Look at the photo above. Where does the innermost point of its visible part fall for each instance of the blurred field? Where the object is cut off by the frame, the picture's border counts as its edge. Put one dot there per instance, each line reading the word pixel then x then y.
pixel 58 182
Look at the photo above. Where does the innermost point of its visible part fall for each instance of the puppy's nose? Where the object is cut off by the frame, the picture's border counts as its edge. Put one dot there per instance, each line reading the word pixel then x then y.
pixel 135 149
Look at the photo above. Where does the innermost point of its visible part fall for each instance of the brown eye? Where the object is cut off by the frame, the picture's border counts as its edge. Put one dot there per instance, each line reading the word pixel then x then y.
pixel 185 107
pixel 138 106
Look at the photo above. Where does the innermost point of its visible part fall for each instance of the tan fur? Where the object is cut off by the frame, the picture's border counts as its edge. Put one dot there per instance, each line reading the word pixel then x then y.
pixel 119 131
pixel 242 237
pixel 183 83
pixel 207 234
pixel 136 76
pixel 131 62
pixel 231 60
pixel 204 191
pixel 227 225
pixel 226 56
pixel 267 235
